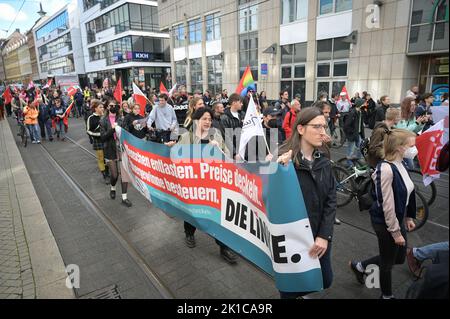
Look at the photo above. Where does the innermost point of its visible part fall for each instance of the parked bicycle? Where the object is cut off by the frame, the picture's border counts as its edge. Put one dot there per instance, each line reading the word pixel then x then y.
pixel 337 138
pixel 22 131
pixel 356 186
pixel 429 192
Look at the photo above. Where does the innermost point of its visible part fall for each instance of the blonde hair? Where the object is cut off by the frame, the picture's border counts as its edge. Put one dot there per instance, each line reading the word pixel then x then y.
pixel 192 103
pixel 393 140
pixel 392 114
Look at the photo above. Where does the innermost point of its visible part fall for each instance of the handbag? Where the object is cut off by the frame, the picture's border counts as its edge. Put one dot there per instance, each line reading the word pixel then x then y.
pixel 365 195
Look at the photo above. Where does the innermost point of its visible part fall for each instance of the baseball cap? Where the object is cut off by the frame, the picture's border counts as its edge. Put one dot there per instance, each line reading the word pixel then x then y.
pixel 272 110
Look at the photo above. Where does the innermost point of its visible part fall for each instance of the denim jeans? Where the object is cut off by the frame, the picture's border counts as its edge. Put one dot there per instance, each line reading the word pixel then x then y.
pixel 59 130
pixel 429 251
pixel 34 134
pixel 352 147
pixel 327 276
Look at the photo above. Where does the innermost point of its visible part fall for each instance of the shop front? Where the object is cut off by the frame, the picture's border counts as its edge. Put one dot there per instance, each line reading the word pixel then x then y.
pixel 434 75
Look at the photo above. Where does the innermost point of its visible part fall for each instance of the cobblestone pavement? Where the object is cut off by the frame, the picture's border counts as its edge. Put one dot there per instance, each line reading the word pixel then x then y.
pixel 16 275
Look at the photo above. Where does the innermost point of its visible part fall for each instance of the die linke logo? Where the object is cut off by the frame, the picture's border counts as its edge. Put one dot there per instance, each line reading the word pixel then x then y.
pixel 141 55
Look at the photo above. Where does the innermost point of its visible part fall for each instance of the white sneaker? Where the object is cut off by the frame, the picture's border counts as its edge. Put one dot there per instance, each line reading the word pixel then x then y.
pixel 33 142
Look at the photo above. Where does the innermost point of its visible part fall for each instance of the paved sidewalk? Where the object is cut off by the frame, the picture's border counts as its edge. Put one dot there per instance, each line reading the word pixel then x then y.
pixel 30 262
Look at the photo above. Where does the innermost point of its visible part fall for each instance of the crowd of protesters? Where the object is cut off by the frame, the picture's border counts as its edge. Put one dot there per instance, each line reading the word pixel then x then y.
pixel 299 134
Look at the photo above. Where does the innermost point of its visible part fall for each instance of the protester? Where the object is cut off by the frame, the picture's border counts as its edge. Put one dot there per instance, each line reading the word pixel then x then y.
pixel 44 119
pixel 354 131
pixel 334 113
pixel 314 173
pixel 165 120
pixel 413 92
pixel 31 114
pixel 291 117
pixel 108 137
pixel 138 129
pixel 57 115
pixel 380 111
pixel 393 210
pixel 93 130
pixel 194 104
pixel 415 256
pixel 231 120
pixel 218 110
pixel 424 109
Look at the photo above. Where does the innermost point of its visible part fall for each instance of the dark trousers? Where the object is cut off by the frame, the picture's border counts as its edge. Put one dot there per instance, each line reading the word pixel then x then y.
pixel 390 254
pixel 189 230
pixel 327 276
pixel 163 136
pixel 8 109
pixel 46 126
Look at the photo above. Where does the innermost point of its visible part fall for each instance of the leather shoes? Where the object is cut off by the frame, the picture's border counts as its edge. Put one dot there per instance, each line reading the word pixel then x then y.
pixel 359 275
pixel 190 241
pixel 413 263
pixel 126 202
pixel 228 255
pixel 112 194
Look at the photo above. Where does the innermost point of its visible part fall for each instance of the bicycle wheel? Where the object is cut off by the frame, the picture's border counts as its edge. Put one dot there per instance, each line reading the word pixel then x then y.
pixel 358 163
pixel 23 136
pixel 429 192
pixel 337 138
pixel 345 187
pixel 422 211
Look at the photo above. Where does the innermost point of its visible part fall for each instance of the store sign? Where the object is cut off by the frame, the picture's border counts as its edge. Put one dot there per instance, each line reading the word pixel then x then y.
pixel 141 56
pixel 438 91
pixel 264 69
pixel 117 58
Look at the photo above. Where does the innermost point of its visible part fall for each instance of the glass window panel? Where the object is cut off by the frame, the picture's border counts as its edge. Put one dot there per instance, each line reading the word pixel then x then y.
pixel 422 12
pixel 300 52
pixel 324 48
pixel 286 85
pixel 338 86
pixel 286 72
pixel 147 15
pixel 323 70
pixel 285 11
pixel 135 17
pixel 343 5
pixel 287 54
pixel 441 37
pixel 326 6
pixel 302 10
pixel 420 38
pixel 323 87
pixel 340 69
pixel 442 11
pixel 341 49
pixel 299 71
pixel 138 44
pixel 299 87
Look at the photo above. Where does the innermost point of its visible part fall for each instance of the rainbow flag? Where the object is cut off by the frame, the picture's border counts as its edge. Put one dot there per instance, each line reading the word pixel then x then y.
pixel 246 83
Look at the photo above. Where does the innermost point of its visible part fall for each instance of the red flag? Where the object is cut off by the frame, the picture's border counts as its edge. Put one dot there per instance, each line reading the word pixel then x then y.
pixel 7 95
pixel 49 83
pixel 118 91
pixel 139 98
pixel 344 90
pixel 162 88
pixel 429 145
pixel 72 90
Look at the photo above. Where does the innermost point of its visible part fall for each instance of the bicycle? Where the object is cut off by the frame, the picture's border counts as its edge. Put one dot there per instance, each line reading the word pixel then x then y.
pixel 429 192
pixel 22 132
pixel 337 138
pixel 356 185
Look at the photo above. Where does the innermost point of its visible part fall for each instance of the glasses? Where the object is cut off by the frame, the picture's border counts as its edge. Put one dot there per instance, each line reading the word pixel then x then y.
pixel 318 126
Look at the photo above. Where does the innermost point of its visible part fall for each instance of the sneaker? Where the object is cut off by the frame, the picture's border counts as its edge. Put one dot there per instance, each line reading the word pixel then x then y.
pixel 126 202
pixel 359 275
pixel 51 139
pixel 112 194
pixel 38 142
pixel 33 142
pixel 413 263
pixel 190 241
pixel 228 255
pixel 337 221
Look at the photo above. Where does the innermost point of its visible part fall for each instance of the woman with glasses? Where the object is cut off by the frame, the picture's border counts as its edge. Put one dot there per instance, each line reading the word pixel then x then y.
pixel 111 149
pixel 318 186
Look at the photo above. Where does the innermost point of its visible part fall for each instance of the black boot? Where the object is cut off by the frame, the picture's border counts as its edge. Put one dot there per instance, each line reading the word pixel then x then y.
pixel 228 255
pixel 190 241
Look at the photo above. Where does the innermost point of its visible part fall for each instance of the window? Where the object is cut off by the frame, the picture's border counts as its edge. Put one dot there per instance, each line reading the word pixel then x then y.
pixel 332 57
pixel 248 53
pixel 330 87
pixel 293 10
pixel 180 69
pixel 293 59
pixel 248 19
pixel 60 22
pixel 135 17
pixel 196 74
pixel 52 48
pixel 195 31
pixel 59 65
pixel 429 27
pixel 212 27
pixel 180 38
pixel 215 69
pixel 334 6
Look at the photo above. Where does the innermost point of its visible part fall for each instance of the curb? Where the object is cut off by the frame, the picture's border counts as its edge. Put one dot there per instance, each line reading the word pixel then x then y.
pixel 46 262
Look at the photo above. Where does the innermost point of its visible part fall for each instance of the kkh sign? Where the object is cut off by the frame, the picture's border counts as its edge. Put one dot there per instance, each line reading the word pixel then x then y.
pixel 141 56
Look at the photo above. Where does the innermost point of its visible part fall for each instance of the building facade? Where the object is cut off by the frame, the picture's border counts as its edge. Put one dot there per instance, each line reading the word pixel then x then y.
pixel 123 39
pixel 309 46
pixel 58 47
pixel 2 68
pixel 16 59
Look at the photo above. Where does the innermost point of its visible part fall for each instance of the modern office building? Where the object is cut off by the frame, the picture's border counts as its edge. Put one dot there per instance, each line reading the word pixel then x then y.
pixel 123 39
pixel 16 59
pixel 59 47
pixel 308 46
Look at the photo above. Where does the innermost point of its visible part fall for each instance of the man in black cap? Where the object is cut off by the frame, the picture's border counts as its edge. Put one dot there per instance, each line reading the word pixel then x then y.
pixel 354 130
pixel 257 148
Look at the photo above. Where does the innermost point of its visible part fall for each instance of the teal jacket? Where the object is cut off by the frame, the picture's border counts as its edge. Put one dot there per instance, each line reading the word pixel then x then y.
pixel 410 125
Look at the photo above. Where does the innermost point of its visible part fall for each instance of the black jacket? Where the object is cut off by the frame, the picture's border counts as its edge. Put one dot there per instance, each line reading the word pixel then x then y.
pixel 44 112
pixel 128 125
pixel 228 121
pixel 319 194
pixel 107 138
pixel 351 121
pixel 334 111
pixel 380 113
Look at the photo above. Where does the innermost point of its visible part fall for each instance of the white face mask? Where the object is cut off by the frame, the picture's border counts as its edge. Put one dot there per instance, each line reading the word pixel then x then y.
pixel 411 153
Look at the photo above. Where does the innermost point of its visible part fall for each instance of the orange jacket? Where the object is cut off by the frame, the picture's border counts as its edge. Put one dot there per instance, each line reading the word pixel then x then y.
pixel 31 115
